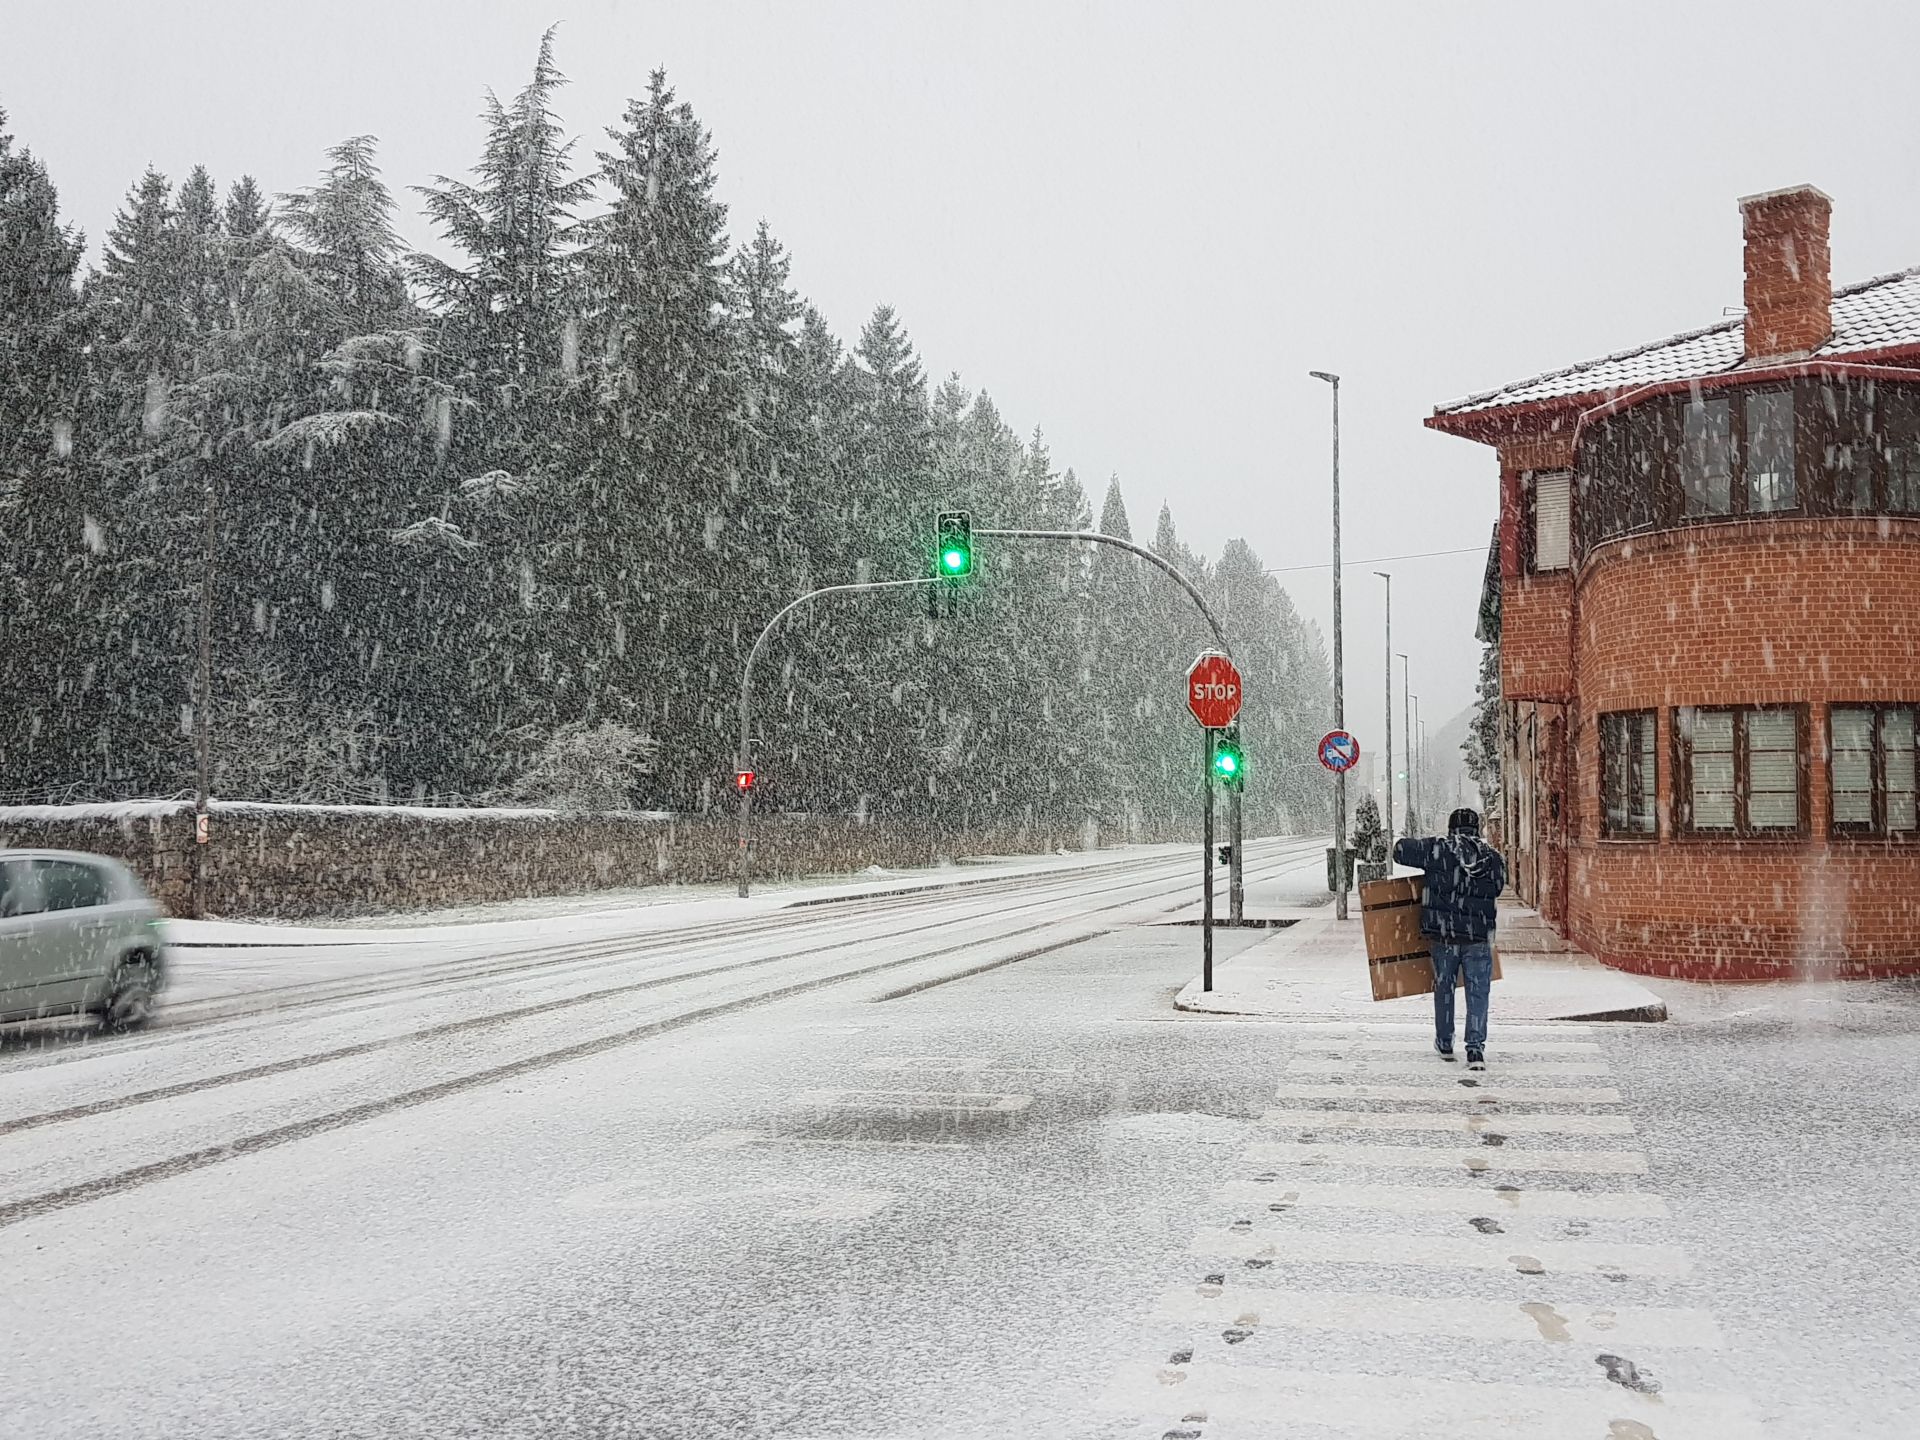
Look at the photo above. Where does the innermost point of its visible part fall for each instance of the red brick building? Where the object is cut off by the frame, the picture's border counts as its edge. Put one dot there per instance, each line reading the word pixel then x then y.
pixel 1708 601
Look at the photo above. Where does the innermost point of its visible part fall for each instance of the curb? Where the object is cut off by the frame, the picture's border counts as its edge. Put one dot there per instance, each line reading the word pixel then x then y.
pixel 1632 1015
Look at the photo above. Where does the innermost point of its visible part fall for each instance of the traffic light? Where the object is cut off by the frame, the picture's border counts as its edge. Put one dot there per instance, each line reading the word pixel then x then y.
pixel 743 780
pixel 1229 764
pixel 955 555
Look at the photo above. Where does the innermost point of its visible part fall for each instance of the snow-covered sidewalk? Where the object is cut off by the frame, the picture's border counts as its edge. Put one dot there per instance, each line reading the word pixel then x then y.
pixel 1317 970
pixel 594 914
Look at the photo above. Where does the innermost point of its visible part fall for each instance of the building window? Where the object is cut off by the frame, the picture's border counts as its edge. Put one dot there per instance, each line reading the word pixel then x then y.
pixel 1627 779
pixel 1769 424
pixel 1873 769
pixel 1903 480
pixel 1738 772
pixel 1899 438
pixel 1706 457
pixel 1552 520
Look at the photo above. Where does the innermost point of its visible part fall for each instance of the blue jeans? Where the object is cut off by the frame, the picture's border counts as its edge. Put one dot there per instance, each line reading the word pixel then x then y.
pixel 1476 956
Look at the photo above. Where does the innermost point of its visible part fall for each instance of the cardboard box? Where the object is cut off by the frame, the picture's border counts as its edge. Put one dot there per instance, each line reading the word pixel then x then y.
pixel 1399 957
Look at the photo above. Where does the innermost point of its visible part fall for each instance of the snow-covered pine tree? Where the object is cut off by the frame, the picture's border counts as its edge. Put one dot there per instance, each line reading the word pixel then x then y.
pixel 200 237
pixel 1369 834
pixel 507 339
pixel 1481 747
pixel 368 457
pixel 124 653
pixel 345 232
pixel 40 368
pixel 649 632
pixel 1123 675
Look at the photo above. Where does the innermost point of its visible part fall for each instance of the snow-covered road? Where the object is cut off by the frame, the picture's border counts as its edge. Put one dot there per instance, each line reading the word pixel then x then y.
pixel 246 1069
pixel 860 1170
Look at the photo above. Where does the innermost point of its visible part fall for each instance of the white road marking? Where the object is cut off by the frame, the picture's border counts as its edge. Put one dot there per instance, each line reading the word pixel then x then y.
pixel 1257 1400
pixel 1425 1045
pixel 1378 1029
pixel 1455 1093
pixel 1370 1314
pixel 738 1139
pixel 1447 1252
pixel 952 1064
pixel 1435 1157
pixel 915 1102
pixel 1436 1068
pixel 785 1202
pixel 1448 1200
pixel 926 1062
pixel 1457 1124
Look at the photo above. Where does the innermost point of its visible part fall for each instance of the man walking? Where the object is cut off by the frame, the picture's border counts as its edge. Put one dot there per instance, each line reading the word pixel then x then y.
pixel 1464 876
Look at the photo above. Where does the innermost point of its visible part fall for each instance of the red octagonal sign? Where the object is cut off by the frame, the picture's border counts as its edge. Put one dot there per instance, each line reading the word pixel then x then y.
pixel 1213 690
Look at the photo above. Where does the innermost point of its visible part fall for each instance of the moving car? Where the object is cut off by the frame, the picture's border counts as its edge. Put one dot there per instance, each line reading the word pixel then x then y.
pixel 78 934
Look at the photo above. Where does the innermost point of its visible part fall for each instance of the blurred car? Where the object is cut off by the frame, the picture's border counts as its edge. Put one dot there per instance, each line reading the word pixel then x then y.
pixel 78 934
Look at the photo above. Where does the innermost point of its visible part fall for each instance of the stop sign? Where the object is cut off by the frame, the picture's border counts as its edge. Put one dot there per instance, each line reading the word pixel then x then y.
pixel 1213 690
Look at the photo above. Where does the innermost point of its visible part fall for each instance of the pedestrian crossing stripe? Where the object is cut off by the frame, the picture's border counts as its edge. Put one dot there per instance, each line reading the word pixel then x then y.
pixel 1429 1121
pixel 1476 1160
pixel 1385 1029
pixel 1424 1044
pixel 955 1102
pixel 1401 1407
pixel 1510 1253
pixel 1447 1200
pixel 1364 1066
pixel 1530 1321
pixel 1457 1092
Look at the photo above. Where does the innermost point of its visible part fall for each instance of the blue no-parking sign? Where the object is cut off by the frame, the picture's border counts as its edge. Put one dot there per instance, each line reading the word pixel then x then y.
pixel 1339 751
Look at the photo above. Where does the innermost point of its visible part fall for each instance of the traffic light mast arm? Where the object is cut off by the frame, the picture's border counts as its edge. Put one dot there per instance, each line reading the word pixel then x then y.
pixel 744 760
pixel 1094 537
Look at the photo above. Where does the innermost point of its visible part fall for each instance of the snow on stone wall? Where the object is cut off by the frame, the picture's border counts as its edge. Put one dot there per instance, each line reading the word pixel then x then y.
pixel 301 861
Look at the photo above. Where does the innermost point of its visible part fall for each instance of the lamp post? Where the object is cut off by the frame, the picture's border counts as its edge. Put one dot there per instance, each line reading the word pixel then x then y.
pixel 1339 676
pixel 1406 718
pixel 1427 772
pixel 1413 761
pixel 1389 748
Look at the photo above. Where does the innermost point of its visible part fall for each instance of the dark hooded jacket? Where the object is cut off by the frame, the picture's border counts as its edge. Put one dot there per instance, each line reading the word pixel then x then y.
pixel 1464 876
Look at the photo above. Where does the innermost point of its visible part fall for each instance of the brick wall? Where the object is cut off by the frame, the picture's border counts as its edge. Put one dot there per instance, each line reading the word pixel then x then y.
pixel 299 861
pixel 1534 620
pixel 1792 611
pixel 1534 659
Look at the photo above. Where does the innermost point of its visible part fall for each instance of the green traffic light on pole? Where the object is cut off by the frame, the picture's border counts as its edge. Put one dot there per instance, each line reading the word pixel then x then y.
pixel 1229 765
pixel 956 544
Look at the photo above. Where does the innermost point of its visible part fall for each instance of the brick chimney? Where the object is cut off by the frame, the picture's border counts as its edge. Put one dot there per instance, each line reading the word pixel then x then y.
pixel 1789 289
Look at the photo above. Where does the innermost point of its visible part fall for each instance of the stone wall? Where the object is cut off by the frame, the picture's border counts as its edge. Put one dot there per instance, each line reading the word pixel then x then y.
pixel 294 861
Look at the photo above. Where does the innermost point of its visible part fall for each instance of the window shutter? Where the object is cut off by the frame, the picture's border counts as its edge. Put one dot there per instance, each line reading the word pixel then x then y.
pixel 1552 539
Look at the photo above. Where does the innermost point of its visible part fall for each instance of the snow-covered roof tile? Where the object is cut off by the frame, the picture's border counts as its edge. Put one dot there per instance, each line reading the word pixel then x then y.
pixel 1873 315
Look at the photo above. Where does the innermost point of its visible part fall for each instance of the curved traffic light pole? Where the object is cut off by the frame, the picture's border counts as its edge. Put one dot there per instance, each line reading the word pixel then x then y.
pixel 1094 537
pixel 743 863
pixel 744 764
pixel 1236 889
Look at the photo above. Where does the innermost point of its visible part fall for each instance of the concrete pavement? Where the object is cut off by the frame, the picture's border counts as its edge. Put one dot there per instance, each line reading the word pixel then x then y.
pixel 1018 1201
pixel 1317 969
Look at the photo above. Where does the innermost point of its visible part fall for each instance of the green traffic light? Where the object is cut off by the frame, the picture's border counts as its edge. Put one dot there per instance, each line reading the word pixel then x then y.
pixel 956 561
pixel 1227 763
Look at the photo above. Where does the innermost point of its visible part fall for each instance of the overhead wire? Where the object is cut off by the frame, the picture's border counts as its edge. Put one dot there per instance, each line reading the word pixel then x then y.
pixel 1377 560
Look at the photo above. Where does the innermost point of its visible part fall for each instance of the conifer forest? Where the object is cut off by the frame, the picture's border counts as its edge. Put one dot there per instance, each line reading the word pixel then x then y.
pixel 499 524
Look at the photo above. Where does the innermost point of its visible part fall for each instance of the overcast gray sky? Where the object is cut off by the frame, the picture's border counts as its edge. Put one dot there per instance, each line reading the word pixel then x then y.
pixel 1138 225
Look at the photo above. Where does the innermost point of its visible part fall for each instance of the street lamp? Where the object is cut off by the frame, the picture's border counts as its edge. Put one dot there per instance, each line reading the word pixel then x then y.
pixel 1339 674
pixel 1413 760
pixel 1389 579
pixel 1406 716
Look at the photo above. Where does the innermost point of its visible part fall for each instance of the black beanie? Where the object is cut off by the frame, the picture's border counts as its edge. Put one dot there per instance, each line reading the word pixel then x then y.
pixel 1463 821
